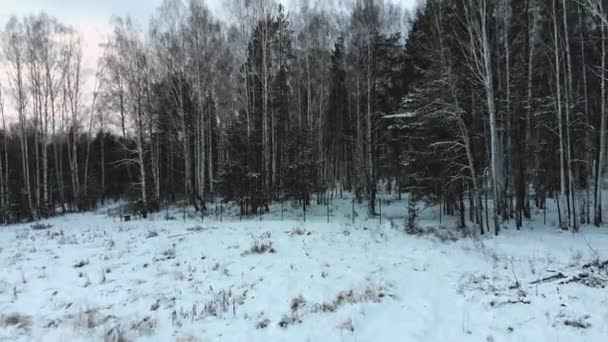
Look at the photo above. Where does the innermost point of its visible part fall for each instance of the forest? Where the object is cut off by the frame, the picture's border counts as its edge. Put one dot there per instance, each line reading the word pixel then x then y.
pixel 489 108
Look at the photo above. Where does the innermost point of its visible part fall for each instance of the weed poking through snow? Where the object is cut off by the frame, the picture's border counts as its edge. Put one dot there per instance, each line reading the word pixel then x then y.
pixel 17 320
pixel 260 247
pixel 347 325
pixel 263 324
pixel 41 226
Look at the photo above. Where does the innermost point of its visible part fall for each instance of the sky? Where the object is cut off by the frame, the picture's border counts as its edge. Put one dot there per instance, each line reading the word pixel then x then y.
pixel 92 18
pixel 96 13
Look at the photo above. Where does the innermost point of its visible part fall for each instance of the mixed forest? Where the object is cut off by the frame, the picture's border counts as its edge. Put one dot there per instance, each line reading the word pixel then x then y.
pixel 489 108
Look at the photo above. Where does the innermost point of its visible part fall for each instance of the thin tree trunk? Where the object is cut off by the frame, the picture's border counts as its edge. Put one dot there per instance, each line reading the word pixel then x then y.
pixel 531 44
pixel 3 181
pixel 559 107
pixel 588 141
pixel 37 115
pixel 102 143
pixel 510 176
pixel 209 153
pixel 602 149
pixel 89 140
pixel 569 95
pixel 489 90
pixel 371 182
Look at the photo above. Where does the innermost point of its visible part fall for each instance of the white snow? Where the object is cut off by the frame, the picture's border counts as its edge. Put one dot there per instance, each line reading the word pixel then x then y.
pixel 90 277
pixel 400 115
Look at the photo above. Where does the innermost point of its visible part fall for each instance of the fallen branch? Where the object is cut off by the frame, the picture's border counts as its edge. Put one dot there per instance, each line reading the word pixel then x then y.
pixel 193 230
pixel 554 277
pixel 597 263
pixel 519 301
pixel 586 279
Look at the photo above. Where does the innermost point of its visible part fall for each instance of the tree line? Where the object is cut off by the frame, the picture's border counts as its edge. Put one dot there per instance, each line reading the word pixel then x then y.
pixel 480 105
pixel 509 98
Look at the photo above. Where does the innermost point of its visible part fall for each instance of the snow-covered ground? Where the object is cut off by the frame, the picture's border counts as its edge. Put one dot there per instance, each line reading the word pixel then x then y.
pixel 90 277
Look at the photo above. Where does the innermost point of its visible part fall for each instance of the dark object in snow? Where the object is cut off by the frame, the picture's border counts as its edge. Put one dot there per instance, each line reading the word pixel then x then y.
pixel 297 303
pixel 284 322
pixel 169 254
pixel 263 324
pixel 554 277
pixel 41 226
pixel 260 247
pixel 587 280
pixel 155 306
pixel 16 320
pixel 347 325
pixel 287 320
pixel 594 276
pixel 152 234
pixel 81 264
pixel 52 323
pixel 499 304
pixel 578 323
pixel 597 264
pixel 126 218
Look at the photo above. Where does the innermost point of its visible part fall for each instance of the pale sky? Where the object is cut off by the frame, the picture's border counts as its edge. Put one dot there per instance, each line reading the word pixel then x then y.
pixel 92 19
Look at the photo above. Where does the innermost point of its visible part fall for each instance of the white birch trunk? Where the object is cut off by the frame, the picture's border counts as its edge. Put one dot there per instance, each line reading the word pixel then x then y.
pixel 602 153
pixel 562 166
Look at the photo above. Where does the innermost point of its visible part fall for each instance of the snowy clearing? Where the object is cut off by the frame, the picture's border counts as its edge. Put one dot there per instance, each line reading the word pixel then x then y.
pixel 88 277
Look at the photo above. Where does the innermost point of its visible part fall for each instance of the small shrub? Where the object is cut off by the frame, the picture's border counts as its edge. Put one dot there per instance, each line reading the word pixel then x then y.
pixel 222 302
pixel 151 234
pixel 580 322
pixel 169 254
pixel 298 231
pixel 371 293
pixel 288 320
pixel 412 215
pixel 81 263
pixel 87 319
pixel 261 247
pixel 23 280
pixel 41 226
pixel 263 324
pixel 17 320
pixel 297 303
pixel 116 334
pixel 443 234
pixel 145 326
pixel 68 240
pixel 347 325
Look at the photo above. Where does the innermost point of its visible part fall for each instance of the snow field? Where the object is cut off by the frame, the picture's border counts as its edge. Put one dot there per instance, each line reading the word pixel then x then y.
pixel 89 277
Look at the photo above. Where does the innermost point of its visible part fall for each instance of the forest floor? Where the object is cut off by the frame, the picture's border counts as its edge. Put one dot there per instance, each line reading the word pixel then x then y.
pixel 89 277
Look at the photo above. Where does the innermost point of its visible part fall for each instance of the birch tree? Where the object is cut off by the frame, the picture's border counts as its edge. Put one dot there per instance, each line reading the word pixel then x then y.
pixel 558 105
pixel 263 11
pixel 477 13
pixel 170 45
pixel 133 62
pixel 3 181
pixel 14 52
pixel 597 11
pixel 72 98
pixel 572 217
